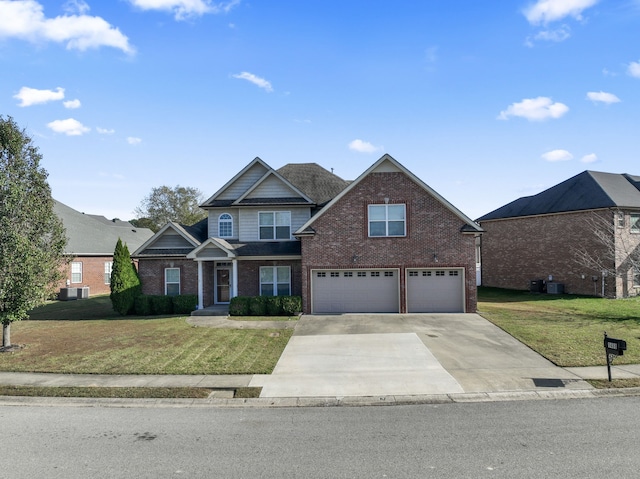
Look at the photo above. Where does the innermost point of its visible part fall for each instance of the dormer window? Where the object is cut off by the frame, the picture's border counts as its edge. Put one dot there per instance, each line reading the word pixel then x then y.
pixel 225 225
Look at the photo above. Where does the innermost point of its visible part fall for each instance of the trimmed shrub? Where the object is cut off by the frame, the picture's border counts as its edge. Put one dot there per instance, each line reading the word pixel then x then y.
pixel 291 305
pixel 274 306
pixel 240 306
pixel 184 303
pixel 142 306
pixel 258 306
pixel 162 304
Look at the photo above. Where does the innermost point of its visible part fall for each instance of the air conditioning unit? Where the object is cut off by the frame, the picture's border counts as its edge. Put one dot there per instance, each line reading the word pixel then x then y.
pixel 68 294
pixel 555 288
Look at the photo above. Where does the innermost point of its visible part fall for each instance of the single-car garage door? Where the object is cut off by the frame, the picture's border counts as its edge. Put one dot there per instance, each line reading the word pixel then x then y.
pixel 435 291
pixel 355 291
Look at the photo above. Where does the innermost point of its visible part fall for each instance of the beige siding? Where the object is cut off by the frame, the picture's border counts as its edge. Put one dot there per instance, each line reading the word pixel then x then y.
pixel 242 184
pixel 272 187
pixel 213 221
pixel 170 240
pixel 249 220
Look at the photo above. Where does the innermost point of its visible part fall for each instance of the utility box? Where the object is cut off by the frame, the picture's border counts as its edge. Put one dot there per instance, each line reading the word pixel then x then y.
pixel 555 288
pixel 536 286
pixel 68 294
pixel 83 293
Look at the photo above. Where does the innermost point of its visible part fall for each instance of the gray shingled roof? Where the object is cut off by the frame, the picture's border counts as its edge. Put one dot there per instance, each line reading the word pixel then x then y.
pixel 586 191
pixel 314 181
pixel 92 235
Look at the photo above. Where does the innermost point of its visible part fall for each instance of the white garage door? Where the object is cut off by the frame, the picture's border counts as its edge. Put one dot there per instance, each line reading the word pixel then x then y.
pixel 435 291
pixel 355 291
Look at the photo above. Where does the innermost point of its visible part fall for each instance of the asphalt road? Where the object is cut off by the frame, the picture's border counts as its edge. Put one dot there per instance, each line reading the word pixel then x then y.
pixel 530 439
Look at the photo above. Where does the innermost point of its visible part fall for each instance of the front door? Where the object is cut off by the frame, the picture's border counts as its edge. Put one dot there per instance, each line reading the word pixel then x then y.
pixel 223 286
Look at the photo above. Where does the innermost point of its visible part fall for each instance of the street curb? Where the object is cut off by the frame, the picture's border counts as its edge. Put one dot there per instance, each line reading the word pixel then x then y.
pixel 347 401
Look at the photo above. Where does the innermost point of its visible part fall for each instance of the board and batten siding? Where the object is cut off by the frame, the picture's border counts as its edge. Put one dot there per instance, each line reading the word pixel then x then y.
pixel 242 184
pixel 214 216
pixel 249 220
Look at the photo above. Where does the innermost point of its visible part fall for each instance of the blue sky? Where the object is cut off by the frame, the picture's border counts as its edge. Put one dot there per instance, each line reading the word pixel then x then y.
pixel 484 101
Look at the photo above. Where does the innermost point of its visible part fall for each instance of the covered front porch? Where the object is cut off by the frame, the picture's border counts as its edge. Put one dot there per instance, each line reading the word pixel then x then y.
pixel 217 275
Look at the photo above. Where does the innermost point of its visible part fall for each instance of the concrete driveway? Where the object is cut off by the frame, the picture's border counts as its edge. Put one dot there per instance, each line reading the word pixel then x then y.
pixel 407 354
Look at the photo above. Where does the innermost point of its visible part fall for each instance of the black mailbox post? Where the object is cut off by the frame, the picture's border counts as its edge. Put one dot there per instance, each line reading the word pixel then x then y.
pixel 613 348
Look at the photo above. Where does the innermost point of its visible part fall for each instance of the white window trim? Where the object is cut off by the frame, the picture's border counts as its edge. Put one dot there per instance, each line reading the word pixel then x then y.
pixel 108 269
pixel 274 226
pixel 79 264
pixel 275 282
pixel 225 221
pixel 632 223
pixel 166 283
pixel 386 220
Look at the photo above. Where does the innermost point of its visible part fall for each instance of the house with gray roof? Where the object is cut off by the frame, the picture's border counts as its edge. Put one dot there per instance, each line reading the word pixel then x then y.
pixel 580 236
pixel 91 241
pixel 385 242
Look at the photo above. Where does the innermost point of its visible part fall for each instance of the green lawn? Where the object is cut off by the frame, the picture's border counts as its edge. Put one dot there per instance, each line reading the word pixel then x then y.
pixel 75 337
pixel 566 329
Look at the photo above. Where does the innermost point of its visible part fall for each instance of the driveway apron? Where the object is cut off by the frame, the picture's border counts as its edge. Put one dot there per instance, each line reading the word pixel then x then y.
pixel 407 354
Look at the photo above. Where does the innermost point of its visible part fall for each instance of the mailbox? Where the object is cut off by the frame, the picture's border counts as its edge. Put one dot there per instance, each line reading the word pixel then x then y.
pixel 615 346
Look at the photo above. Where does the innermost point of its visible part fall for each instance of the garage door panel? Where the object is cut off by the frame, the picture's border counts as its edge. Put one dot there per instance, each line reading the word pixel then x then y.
pixel 370 291
pixel 435 291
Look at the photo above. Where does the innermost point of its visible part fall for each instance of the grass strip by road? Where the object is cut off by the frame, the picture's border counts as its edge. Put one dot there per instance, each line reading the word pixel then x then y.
pixel 119 392
pixel 568 330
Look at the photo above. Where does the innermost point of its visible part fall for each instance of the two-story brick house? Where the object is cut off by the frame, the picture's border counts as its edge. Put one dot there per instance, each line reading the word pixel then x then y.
pixel 541 238
pixel 385 242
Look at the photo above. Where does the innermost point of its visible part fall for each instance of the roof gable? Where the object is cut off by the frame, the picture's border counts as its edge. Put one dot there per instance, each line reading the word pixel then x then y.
pixel 273 186
pixel 240 183
pixel 586 191
pixel 387 164
pixel 171 236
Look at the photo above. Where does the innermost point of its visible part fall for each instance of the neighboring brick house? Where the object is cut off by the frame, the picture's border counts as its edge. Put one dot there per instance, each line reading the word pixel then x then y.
pixel 91 241
pixel 540 238
pixel 385 242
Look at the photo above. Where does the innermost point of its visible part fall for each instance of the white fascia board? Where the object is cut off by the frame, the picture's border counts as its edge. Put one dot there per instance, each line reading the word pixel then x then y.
pixel 174 226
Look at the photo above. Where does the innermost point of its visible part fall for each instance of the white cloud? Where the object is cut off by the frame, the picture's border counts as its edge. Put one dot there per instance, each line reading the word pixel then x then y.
pixel 76 6
pixel 634 69
pixel 363 146
pixel 105 131
pixel 556 35
pixel 590 158
pixel 32 96
pixel 546 11
pixel 256 80
pixel 69 127
pixel 72 104
pixel 132 140
pixel 184 9
pixel 602 97
pixel 535 109
pixel 24 19
pixel 557 155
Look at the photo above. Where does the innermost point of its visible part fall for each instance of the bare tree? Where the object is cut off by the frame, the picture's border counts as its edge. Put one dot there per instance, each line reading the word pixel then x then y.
pixel 613 251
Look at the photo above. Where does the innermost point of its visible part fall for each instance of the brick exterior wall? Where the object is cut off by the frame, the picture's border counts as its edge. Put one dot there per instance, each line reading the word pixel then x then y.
pixel 517 250
pixel 92 274
pixel 151 272
pixel 342 241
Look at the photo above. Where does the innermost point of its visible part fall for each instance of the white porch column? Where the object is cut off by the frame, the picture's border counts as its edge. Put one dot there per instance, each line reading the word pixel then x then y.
pixel 200 287
pixel 234 279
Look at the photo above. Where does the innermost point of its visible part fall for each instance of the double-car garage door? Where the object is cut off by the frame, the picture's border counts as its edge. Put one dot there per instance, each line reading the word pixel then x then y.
pixel 378 291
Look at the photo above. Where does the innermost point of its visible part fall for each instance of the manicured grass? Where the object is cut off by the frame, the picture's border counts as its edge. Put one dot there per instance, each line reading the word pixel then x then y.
pixel 68 339
pixel 568 330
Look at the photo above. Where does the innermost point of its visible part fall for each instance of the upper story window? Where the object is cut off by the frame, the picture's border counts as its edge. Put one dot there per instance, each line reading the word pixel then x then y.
pixel 621 219
pixel 635 223
pixel 225 225
pixel 275 225
pixel 387 220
